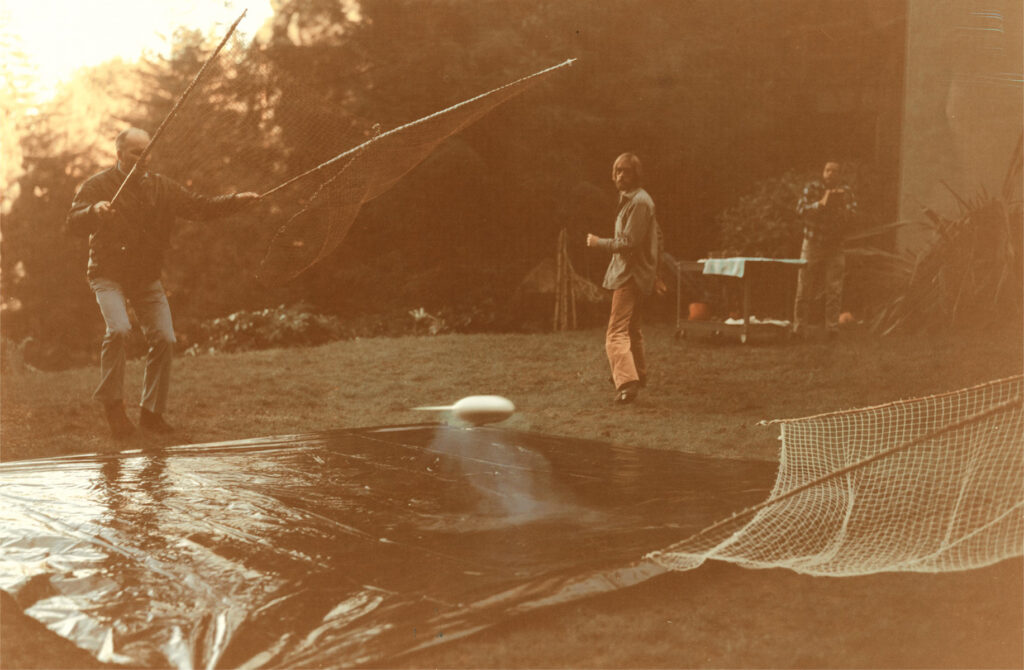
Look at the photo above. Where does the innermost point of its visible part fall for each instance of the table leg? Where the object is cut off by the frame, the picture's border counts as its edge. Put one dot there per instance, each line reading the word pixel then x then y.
pixel 746 309
pixel 679 300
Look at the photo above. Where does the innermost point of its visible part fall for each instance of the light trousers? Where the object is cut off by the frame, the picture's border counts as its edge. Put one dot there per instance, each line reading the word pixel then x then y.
pixel 624 342
pixel 149 302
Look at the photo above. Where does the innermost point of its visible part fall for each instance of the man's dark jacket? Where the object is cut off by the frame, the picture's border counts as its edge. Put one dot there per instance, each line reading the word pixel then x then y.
pixel 130 245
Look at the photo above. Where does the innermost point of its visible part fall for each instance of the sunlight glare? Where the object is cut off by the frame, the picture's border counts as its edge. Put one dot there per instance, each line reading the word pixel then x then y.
pixel 60 36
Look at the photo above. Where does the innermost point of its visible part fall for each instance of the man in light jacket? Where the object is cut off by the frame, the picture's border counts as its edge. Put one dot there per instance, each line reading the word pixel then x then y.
pixel 631 276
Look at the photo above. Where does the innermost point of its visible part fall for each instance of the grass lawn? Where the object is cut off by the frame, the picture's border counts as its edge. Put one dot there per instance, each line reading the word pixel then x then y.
pixel 703 397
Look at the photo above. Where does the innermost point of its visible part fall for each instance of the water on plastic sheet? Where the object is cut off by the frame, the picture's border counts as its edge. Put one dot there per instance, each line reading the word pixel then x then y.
pixel 343 547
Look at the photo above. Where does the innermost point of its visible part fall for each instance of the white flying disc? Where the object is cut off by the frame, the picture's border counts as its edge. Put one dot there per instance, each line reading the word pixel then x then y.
pixel 476 410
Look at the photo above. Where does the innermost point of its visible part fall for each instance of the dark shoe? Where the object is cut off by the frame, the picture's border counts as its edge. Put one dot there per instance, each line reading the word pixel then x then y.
pixel 153 422
pixel 643 381
pixel 627 393
pixel 120 425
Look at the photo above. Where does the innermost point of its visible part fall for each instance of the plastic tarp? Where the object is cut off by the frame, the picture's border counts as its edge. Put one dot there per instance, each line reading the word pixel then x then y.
pixel 340 548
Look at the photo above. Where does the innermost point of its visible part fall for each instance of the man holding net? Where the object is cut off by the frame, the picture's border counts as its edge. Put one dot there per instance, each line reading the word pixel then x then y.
pixel 129 230
pixel 631 276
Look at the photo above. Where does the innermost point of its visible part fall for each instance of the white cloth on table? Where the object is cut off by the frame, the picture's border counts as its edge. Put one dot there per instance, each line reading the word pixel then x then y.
pixel 735 267
pixel 754 321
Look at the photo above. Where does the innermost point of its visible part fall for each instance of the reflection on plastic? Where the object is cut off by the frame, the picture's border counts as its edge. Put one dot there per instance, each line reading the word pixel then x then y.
pixel 340 548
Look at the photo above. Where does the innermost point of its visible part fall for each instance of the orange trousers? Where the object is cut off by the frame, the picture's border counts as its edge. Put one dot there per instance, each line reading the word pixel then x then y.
pixel 624 342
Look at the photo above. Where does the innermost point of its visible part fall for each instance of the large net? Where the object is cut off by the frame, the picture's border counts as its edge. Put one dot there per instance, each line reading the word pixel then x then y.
pixel 350 179
pixel 926 485
pixel 299 130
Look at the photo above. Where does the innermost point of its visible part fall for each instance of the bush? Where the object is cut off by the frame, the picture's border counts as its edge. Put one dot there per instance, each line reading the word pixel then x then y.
pixel 291 326
pixel 970 273
pixel 764 223
pixel 298 325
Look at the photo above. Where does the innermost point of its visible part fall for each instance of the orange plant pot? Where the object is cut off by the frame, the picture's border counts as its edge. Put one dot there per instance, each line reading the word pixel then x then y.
pixel 699 311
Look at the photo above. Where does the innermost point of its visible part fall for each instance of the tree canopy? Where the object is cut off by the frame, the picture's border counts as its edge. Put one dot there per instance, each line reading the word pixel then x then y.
pixel 713 96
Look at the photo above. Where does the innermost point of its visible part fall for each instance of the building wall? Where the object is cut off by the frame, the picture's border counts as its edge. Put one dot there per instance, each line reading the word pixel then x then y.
pixel 962 110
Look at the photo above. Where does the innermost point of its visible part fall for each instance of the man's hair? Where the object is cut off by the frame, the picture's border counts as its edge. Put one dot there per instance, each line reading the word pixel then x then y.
pixel 634 160
pixel 123 136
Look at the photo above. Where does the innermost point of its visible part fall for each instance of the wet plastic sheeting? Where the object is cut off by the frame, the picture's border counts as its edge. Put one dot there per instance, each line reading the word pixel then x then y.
pixel 340 548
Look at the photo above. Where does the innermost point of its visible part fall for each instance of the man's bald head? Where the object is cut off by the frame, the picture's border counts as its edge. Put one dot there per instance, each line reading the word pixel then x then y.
pixel 130 144
pixel 131 136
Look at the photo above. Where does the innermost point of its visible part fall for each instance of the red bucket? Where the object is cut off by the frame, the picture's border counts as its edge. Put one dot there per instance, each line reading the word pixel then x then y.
pixel 699 311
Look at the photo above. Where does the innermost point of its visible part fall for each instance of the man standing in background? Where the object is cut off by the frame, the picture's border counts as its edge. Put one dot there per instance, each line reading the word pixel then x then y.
pixel 127 243
pixel 827 207
pixel 631 276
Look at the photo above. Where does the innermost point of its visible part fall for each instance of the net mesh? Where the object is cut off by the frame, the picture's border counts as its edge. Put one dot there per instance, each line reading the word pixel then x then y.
pixel 366 172
pixel 266 120
pixel 926 485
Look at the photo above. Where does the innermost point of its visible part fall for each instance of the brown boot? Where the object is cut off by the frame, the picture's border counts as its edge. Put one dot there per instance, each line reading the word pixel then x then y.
pixel 153 422
pixel 120 425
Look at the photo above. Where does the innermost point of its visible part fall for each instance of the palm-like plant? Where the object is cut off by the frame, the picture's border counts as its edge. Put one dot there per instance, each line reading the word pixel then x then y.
pixel 969 272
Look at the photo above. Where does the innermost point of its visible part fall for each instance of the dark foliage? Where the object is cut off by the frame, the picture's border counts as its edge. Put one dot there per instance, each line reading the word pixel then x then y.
pixel 970 273
pixel 693 88
pixel 281 327
pixel 45 296
pixel 764 223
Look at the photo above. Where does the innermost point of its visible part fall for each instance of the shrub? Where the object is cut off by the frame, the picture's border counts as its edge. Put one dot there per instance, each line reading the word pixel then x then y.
pixel 283 326
pixel 764 222
pixel 970 272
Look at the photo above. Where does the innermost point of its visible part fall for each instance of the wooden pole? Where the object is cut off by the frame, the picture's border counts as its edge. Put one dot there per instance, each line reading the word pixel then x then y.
pixel 568 285
pixel 559 272
pixel 563 285
pixel 177 104
pixel 572 288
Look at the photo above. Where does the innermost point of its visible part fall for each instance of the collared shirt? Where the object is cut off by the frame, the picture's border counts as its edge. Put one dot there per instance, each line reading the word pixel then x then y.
pixel 636 245
pixel 826 225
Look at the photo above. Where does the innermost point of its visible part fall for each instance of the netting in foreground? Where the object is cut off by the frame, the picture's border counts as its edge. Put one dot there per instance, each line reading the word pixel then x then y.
pixel 926 485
